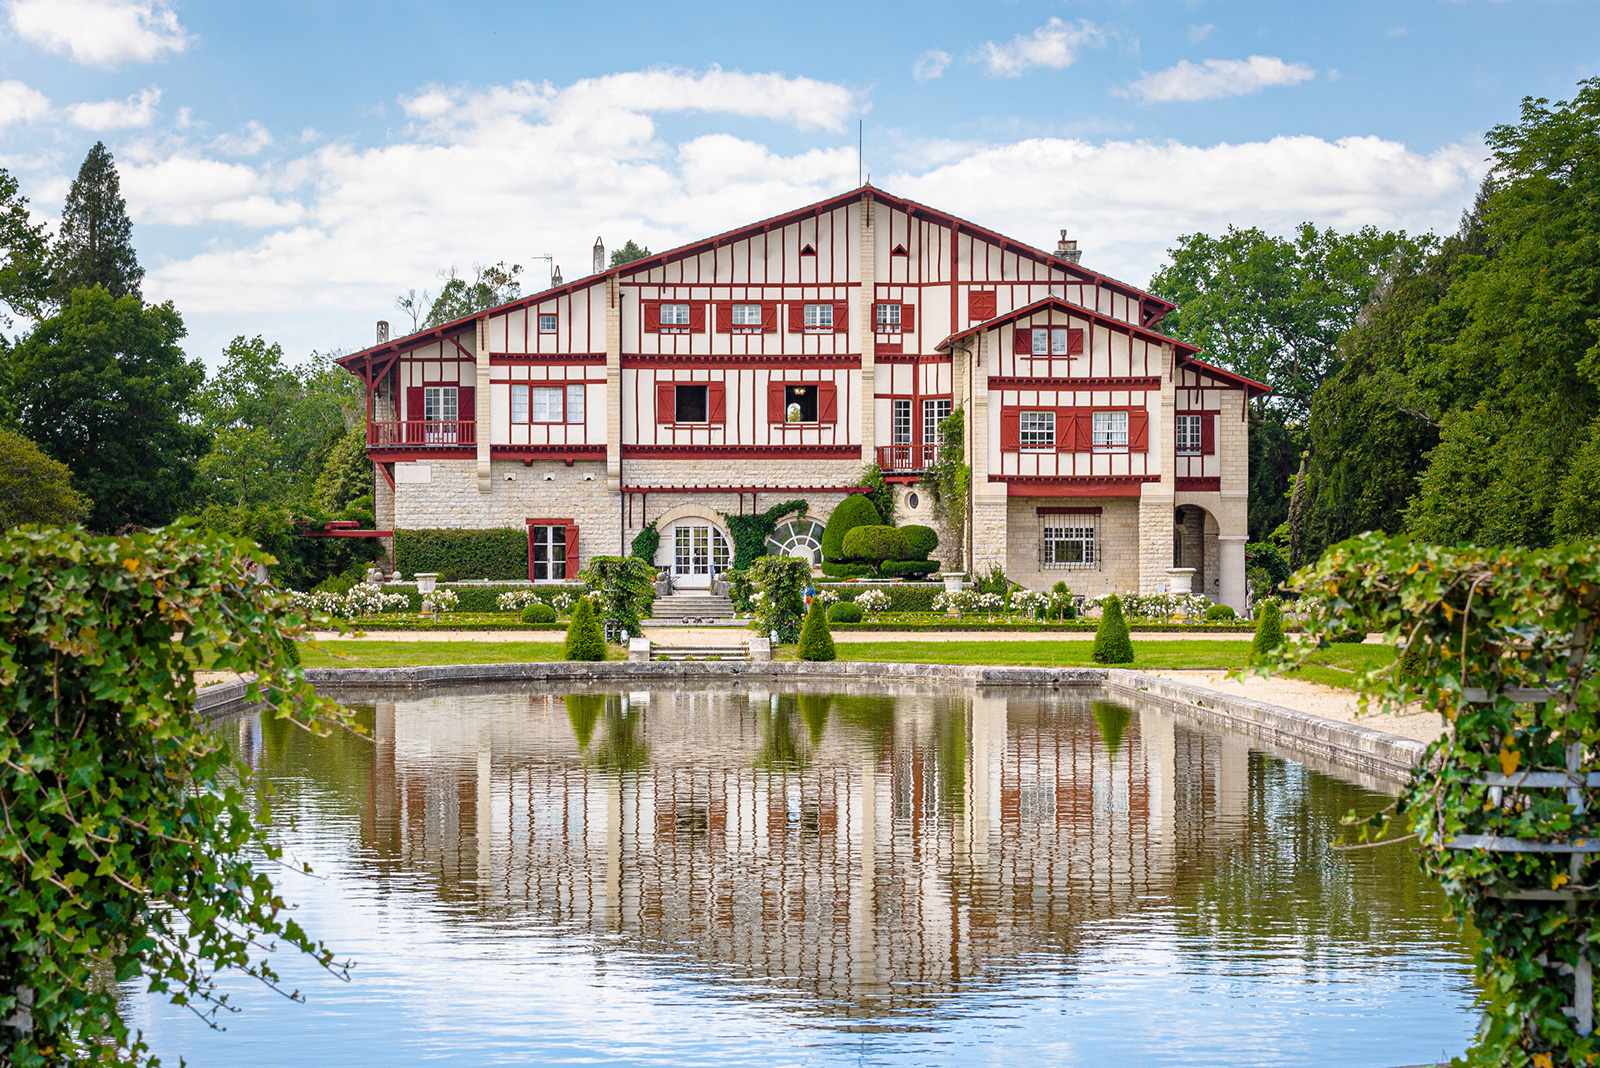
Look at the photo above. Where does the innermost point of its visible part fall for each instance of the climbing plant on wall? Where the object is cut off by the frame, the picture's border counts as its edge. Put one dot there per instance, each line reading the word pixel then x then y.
pixel 646 542
pixel 950 479
pixel 750 532
pixel 1502 643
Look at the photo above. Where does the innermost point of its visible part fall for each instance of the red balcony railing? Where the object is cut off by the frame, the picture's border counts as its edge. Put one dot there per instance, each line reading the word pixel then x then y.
pixel 902 458
pixel 422 434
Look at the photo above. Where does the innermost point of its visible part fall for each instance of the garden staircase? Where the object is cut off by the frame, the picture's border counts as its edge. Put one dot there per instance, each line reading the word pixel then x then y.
pixel 691 608
pixel 700 652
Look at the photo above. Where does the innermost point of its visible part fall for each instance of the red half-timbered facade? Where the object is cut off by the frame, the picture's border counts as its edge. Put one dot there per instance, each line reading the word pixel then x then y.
pixel 774 361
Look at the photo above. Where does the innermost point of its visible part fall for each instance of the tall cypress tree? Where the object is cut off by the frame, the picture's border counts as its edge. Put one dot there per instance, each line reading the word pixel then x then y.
pixel 95 245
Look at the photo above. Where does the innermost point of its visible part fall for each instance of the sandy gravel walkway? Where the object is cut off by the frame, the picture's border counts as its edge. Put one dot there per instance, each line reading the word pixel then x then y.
pixel 1325 701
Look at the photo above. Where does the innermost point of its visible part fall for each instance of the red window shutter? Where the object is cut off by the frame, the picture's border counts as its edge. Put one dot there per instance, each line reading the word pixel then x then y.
pixel 1067 430
pixel 797 318
pixel 1139 430
pixel 1208 434
pixel 827 402
pixel 1074 342
pixel 1085 430
pixel 467 405
pixel 572 551
pixel 666 402
pixel 1022 342
pixel 530 552
pixel 872 311
pixel 724 318
pixel 841 318
pixel 774 402
pixel 1010 435
pixel 652 318
pixel 908 318
pixel 697 318
pixel 769 318
pixel 414 413
pixel 716 402
pixel 980 306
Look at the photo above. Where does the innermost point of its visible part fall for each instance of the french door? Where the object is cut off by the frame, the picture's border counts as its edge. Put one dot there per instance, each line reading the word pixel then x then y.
pixel 699 554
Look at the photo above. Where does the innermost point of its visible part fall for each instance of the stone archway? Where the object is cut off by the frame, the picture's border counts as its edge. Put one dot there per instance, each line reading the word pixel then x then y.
pixel 1194 545
pixel 695 545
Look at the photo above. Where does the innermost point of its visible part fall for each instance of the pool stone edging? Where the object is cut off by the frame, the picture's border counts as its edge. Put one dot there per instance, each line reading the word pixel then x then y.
pixel 1388 756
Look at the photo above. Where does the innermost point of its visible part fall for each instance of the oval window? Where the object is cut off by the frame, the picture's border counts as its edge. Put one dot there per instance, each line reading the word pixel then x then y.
pixel 911 500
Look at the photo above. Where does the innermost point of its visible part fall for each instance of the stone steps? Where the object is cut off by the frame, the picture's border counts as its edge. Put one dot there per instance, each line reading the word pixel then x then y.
pixel 699 652
pixel 691 606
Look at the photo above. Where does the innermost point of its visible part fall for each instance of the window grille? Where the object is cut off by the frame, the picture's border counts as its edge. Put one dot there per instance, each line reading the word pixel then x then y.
pixel 1070 542
pixel 746 315
pixel 934 412
pixel 888 318
pixel 574 404
pixel 819 317
pixel 674 315
pixel 547 324
pixel 544 404
pixel 902 422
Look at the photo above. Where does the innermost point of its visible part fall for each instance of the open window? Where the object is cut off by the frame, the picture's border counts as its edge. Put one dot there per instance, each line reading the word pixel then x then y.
pixel 691 402
pixel 802 402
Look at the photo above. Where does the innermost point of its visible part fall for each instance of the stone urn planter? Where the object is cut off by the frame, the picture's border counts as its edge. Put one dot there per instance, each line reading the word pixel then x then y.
pixel 954 581
pixel 426 581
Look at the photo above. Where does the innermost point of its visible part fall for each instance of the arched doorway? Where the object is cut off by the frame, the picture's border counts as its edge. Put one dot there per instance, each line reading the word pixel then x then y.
pixel 695 547
pixel 1194 544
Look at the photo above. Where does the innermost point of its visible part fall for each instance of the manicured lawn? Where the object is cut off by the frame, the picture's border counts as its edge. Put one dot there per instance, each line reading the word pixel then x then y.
pixel 335 653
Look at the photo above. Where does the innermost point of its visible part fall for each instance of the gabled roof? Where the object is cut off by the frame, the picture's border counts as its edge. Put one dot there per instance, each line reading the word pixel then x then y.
pixel 1183 348
pixel 1155 306
pixel 1250 385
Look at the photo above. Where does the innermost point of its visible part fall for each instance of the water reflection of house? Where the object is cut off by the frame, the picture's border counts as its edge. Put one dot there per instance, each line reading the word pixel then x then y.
pixel 859 848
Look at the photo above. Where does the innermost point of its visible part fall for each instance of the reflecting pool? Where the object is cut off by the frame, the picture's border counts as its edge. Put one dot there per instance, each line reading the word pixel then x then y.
pixel 738 876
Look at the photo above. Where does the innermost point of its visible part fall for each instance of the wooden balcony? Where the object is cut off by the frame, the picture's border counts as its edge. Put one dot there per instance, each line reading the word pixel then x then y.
pixel 906 459
pixel 422 434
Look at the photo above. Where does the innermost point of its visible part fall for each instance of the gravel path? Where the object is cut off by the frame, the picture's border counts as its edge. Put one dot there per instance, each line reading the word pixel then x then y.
pixel 1325 701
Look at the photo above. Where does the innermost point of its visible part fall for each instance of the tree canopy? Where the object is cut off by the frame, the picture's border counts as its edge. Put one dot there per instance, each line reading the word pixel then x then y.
pixel 490 287
pixel 24 256
pixel 94 246
pixel 628 253
pixel 35 488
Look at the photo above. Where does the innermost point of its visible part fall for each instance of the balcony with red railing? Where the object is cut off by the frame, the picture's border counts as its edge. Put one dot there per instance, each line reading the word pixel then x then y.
pixel 905 459
pixel 423 434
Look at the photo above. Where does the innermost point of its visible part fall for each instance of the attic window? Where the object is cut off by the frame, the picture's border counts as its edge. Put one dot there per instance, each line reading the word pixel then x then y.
pixel 899 250
pixel 808 251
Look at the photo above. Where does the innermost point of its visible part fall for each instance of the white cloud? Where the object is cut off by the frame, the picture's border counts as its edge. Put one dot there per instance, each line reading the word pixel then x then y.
pixel 1056 44
pixel 1200 33
pixel 99 33
pixel 1398 31
pixel 1214 79
pixel 20 103
pixel 930 65
pixel 249 142
pixel 187 190
pixel 136 111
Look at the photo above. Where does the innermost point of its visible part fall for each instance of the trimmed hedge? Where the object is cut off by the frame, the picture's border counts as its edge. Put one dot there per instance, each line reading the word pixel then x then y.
pixel 585 641
pixel 1221 611
pixel 909 568
pixel 1111 644
pixel 923 540
pixel 844 571
pixel 500 553
pixel 844 612
pixel 854 511
pixel 484 598
pixel 903 597
pixel 815 641
pixel 1269 632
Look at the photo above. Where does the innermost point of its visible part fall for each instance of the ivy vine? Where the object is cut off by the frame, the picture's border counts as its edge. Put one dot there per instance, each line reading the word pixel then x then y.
pixel 646 542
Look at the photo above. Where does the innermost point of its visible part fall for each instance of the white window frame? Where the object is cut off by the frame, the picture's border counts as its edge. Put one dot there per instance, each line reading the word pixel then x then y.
pixel 900 425
pixel 551 539
pixel 547 323
pixel 745 318
pixel 1066 532
pixel 519 403
pixel 545 404
pixel 1186 434
pixel 817 317
pixel 935 411
pixel 575 396
pixel 1036 430
pixel 441 404
pixel 1110 431
pixel 1040 338
pixel 888 319
pixel 675 314
pixel 1058 341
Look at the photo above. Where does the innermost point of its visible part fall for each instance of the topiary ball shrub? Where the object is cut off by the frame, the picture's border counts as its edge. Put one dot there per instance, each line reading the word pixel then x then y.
pixel 1111 644
pixel 876 544
pixel 1220 611
pixel 585 640
pixel 854 511
pixel 816 643
pixel 844 612
pixel 921 540
pixel 1269 632
pixel 539 612
pixel 1351 637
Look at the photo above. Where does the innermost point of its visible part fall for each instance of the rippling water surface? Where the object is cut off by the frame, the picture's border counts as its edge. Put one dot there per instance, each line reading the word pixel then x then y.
pixel 733 877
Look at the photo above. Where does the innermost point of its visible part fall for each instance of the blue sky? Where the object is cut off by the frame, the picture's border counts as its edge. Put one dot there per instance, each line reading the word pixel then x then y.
pixel 291 167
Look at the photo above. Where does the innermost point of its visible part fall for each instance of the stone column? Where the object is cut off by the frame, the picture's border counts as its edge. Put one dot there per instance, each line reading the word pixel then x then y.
pixel 613 386
pixel 481 354
pixel 1156 498
pixel 989 499
pixel 1230 550
pixel 867 331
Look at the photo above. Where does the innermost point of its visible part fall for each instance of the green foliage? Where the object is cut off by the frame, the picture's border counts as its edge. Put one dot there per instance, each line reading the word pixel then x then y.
pixel 875 544
pixel 132 838
pixel 24 258
pixel 646 543
pixel 1220 611
pixel 845 571
pixel 903 597
pixel 949 479
pixel 844 612
pixel 104 388
pixel 626 589
pixel 1494 621
pixel 816 642
pixel 903 568
pixel 921 540
pixel 538 612
pixel 739 590
pixel 1111 644
pixel 346 475
pixel 458 298
pixel 856 510
pixel 1274 567
pixel 880 492
pixel 750 532
pixel 628 253
pixel 497 553
pixel 94 244
pixel 585 640
pixel 303 562
pixel 35 488
pixel 995 582
pixel 778 599
pixel 1269 631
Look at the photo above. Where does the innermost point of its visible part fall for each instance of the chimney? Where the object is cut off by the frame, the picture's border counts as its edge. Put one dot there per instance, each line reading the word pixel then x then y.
pixel 555 279
pixel 599 256
pixel 1068 250
pixel 383 332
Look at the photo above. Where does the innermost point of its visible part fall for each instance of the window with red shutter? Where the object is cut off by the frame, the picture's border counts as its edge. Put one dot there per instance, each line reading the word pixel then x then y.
pixel 1008 429
pixel 697 318
pixel 908 318
pixel 774 402
pixel 652 318
pixel 1022 342
pixel 717 402
pixel 1208 435
pixel 827 402
pixel 666 402
pixel 841 318
pixel 797 318
pixel 769 318
pixel 724 318
pixel 467 404
pixel 1083 423
pixel 573 562
pixel 414 414
pixel 980 306
pixel 1138 430
pixel 1074 342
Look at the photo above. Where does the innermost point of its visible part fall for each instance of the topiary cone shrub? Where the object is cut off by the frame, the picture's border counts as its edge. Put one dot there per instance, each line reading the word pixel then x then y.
pixel 1269 632
pixel 1111 644
pixel 584 638
pixel 816 642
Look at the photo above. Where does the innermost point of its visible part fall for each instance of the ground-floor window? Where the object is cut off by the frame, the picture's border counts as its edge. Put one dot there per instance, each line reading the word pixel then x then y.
pixel 1069 541
pixel 699 549
pixel 799 538
pixel 548 547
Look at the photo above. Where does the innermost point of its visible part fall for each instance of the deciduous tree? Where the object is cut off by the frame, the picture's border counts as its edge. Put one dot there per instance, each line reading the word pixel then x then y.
pixel 35 488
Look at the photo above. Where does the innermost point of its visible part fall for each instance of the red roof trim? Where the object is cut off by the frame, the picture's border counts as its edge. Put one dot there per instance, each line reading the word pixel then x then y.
pixel 1250 385
pixel 1183 347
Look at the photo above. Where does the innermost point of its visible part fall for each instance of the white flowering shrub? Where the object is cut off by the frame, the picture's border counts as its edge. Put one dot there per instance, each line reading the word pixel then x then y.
pixel 966 602
pixel 990 603
pixel 563 602
pixel 873 601
pixel 444 600
pixel 1029 603
pixel 362 600
pixel 826 598
pixel 1158 607
pixel 515 600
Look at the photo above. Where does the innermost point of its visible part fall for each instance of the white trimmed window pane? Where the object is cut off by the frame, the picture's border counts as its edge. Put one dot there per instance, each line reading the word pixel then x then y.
pixel 819 316
pixel 674 315
pixel 1188 433
pixel 1110 430
pixel 439 404
pixel 889 316
pixel 574 404
pixel 544 404
pixel 1058 342
pixel 519 404
pixel 1037 430
pixel 1041 342
pixel 547 324
pixel 747 315
pixel 902 422
pixel 934 412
